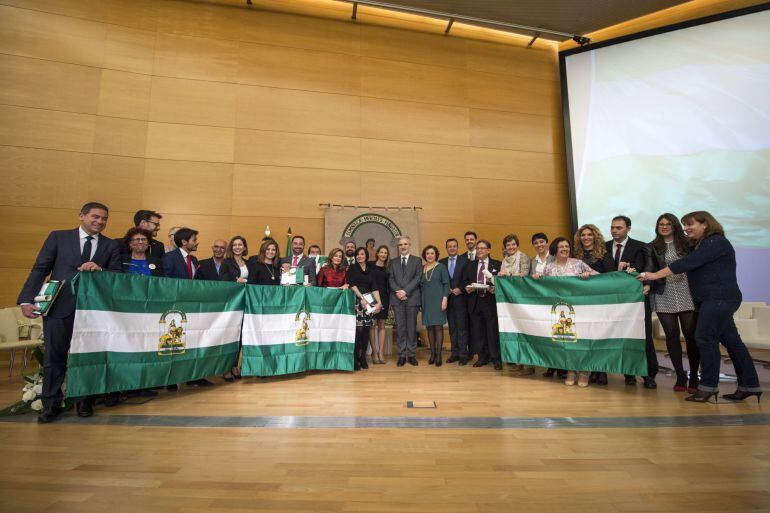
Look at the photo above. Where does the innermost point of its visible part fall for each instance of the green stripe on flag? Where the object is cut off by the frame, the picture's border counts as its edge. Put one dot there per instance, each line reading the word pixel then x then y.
pixel 265 299
pixel 620 356
pixel 289 358
pixel 103 372
pixel 132 293
pixel 609 288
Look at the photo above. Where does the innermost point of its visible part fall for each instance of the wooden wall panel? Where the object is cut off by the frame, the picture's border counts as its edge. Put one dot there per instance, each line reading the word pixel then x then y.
pixel 290 110
pixel 43 178
pixel 124 95
pixel 211 113
pixel 54 130
pixel 42 84
pixel 193 102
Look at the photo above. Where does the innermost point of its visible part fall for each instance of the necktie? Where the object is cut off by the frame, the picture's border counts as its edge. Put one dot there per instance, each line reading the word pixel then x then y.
pixel 480 278
pixel 452 267
pixel 189 267
pixel 85 256
pixel 403 262
pixel 294 261
pixel 617 254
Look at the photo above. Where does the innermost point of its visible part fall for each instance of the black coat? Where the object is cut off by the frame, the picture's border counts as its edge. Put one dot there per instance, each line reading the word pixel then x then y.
pixel 60 258
pixel 475 302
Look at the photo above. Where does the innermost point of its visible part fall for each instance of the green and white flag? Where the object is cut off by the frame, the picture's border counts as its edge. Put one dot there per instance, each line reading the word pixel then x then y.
pixel 294 329
pixel 134 332
pixel 574 324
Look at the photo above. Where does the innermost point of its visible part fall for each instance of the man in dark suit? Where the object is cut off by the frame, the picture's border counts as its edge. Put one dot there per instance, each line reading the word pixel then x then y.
pixel 211 268
pixel 482 308
pixel 298 259
pixel 470 244
pixel 350 251
pixel 64 254
pixel 150 220
pixel 457 307
pixel 180 263
pixel 404 281
pixel 626 252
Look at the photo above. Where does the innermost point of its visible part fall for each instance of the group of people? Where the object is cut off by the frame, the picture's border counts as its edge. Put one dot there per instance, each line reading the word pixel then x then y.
pixel 688 276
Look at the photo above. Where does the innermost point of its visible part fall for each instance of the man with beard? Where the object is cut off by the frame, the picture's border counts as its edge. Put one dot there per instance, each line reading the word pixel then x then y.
pixel 150 220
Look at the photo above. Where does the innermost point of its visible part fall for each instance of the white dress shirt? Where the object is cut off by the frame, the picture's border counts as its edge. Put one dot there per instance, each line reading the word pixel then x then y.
pixel 184 256
pixel 94 242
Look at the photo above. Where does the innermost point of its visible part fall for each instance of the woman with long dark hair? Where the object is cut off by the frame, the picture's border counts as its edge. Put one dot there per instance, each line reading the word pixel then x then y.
pixel 671 299
pixel 362 281
pixel 710 269
pixel 265 269
pixel 381 268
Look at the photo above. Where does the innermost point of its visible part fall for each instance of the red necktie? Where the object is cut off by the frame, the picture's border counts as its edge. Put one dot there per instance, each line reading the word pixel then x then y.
pixel 617 255
pixel 294 261
pixel 189 267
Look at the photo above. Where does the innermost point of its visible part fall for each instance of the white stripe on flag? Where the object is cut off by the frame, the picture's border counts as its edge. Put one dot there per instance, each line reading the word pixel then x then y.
pixel 97 331
pixel 592 322
pixel 274 329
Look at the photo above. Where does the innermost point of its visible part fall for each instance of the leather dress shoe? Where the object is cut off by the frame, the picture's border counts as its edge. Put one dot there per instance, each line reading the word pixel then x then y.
pixel 85 408
pixel 401 361
pixel 453 359
pixel 480 363
pixel 498 366
pixel 631 381
pixel 601 379
pixel 203 382
pixel 49 414
pixel 413 361
pixel 113 399
pixel 650 383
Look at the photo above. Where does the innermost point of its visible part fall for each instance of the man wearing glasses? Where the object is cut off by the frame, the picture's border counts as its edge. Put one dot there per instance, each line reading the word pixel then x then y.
pixel 150 220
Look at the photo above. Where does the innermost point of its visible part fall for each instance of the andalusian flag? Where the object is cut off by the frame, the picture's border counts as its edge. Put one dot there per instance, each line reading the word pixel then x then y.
pixel 573 324
pixel 134 332
pixel 294 328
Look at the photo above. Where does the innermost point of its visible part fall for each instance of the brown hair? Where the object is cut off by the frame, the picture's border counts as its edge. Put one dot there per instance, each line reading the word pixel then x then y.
pixel 680 240
pixel 510 237
pixel 712 225
pixel 598 251
pixel 343 262
pixel 376 254
pixel 263 251
pixel 229 252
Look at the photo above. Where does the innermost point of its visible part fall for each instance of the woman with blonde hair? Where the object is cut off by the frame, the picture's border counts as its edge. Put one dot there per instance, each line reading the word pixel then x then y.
pixel 589 247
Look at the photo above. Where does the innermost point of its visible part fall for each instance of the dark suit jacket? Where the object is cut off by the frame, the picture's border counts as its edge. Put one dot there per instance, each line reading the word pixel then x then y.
pixel 455 281
pixel 207 270
pixel 469 276
pixel 60 258
pixel 157 249
pixel 174 265
pixel 407 280
pixel 635 253
pixel 125 261
pixel 307 263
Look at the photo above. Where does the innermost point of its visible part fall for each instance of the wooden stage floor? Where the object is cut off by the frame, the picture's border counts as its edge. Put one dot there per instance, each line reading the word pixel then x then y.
pixel 327 442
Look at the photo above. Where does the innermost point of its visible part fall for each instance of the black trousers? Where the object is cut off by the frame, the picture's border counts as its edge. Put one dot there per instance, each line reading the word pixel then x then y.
pixel 649 346
pixel 457 316
pixel 670 323
pixel 484 332
pixel 58 335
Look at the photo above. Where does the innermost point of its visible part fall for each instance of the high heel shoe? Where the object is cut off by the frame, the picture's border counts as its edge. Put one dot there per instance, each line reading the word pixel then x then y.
pixel 740 395
pixel 702 396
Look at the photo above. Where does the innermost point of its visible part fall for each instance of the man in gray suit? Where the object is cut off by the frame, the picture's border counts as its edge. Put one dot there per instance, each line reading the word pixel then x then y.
pixel 298 258
pixel 405 274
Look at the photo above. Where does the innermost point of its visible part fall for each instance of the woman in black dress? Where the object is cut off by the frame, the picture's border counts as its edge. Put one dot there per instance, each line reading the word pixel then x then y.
pixel 264 268
pixel 361 281
pixel 381 269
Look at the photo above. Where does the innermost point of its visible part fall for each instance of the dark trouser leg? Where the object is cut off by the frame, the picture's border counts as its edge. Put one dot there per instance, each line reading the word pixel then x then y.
pixel 670 324
pixel 411 330
pixel 58 335
pixel 479 336
pixel 362 338
pixel 748 381
pixel 454 340
pixel 399 312
pixel 492 333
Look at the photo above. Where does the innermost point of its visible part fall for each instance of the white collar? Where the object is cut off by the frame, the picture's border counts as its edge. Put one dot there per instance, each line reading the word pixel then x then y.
pixel 623 243
pixel 404 256
pixel 184 253
pixel 485 261
pixel 83 234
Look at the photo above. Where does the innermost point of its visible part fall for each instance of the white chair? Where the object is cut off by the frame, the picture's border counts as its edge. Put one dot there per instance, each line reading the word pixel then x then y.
pixel 10 339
